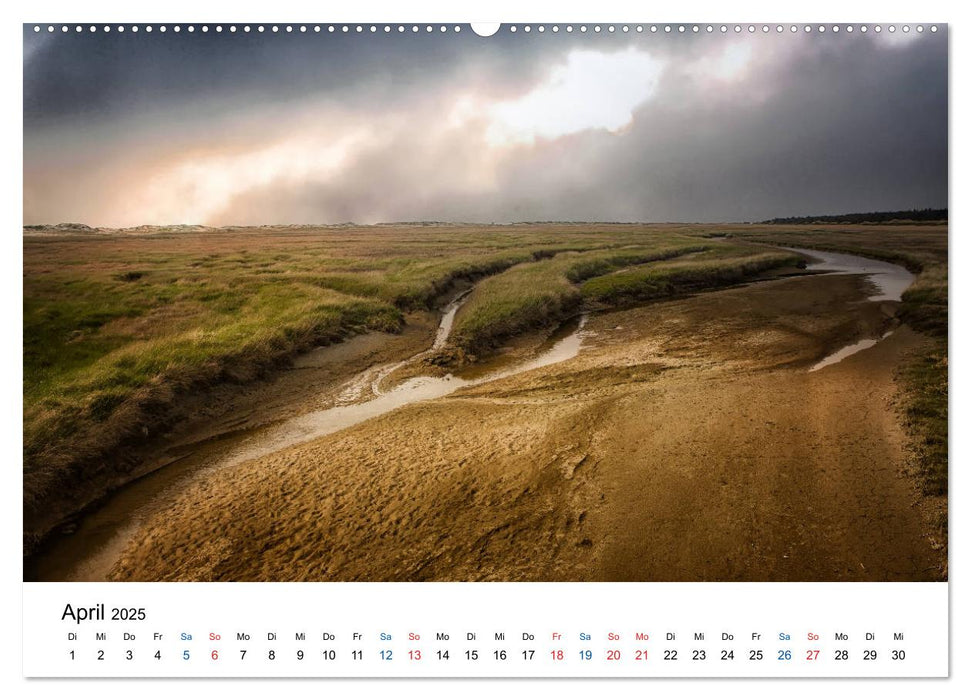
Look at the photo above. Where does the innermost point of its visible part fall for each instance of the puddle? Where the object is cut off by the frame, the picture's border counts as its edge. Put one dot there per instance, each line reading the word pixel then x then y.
pixel 848 350
pixel 372 379
pixel 311 426
pixel 448 318
pixel 890 280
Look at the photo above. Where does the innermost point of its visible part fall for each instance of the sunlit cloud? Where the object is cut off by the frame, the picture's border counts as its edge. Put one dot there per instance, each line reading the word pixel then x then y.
pixel 195 188
pixel 591 90
pixel 730 64
pixel 733 61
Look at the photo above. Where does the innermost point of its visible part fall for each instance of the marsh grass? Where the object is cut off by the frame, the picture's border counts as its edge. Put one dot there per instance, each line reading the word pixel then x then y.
pixel 653 281
pixel 544 292
pixel 925 407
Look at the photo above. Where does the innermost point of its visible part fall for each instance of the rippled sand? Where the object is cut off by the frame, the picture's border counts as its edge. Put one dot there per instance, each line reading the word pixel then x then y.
pixel 687 441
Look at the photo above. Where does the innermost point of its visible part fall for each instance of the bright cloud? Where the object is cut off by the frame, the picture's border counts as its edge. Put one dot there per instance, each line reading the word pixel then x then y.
pixel 727 65
pixel 592 90
pixel 194 188
pixel 733 61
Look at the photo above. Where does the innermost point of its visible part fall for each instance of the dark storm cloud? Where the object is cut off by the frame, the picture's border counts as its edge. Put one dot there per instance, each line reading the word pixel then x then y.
pixel 123 129
pixel 71 75
pixel 834 127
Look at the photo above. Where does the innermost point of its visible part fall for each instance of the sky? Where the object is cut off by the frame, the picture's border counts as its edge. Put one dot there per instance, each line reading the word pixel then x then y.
pixel 221 128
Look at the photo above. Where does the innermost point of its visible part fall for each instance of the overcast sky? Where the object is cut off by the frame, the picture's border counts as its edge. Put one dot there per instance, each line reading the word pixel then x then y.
pixel 235 128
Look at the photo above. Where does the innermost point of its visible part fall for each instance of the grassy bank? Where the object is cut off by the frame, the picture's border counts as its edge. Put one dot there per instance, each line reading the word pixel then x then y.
pixel 545 292
pixel 925 379
pixel 719 267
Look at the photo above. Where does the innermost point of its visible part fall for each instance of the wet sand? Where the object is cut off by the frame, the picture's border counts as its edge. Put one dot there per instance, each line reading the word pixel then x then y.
pixel 85 547
pixel 688 441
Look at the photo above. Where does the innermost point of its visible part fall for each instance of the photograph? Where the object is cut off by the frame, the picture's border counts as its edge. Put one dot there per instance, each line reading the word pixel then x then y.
pixel 430 303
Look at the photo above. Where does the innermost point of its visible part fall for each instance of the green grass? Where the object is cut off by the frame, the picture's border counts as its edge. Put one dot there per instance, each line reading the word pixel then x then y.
pixel 925 407
pixel 540 293
pixel 647 282
pixel 545 291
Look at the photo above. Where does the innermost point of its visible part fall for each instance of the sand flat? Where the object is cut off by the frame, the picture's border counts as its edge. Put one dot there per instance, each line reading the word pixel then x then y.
pixel 687 441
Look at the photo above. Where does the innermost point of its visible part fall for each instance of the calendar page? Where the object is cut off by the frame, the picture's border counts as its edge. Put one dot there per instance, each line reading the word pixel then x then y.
pixel 424 349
